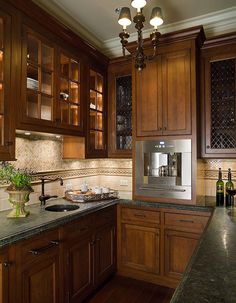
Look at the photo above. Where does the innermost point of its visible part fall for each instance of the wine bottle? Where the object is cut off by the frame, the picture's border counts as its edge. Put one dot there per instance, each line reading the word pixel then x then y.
pixel 220 190
pixel 229 185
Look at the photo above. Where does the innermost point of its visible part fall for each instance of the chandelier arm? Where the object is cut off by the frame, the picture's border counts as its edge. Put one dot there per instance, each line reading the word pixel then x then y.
pixel 139 19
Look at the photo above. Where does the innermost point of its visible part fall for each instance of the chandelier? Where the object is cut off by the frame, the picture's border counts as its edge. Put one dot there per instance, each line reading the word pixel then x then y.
pixel 139 19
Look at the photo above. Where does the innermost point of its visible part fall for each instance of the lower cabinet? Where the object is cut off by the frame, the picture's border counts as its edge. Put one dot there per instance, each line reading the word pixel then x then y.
pixel 89 253
pixel 38 269
pixel 64 265
pixel 4 276
pixel 141 248
pixel 156 244
pixel 179 247
pixel 104 253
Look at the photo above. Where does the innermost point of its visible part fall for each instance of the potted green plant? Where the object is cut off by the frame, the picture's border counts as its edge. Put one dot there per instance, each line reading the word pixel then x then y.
pixel 19 188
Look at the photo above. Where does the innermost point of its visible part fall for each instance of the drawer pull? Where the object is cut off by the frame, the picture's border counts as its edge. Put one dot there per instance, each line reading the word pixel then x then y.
pixel 39 251
pixel 186 221
pixel 140 215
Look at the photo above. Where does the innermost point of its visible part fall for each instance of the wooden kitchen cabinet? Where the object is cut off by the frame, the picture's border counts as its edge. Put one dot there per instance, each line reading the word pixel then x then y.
pixel 156 244
pixel 8 79
pixel 70 101
pixel 51 86
pixel 218 97
pixel 120 108
pixel 62 265
pixel 96 140
pixel 38 269
pixel 89 253
pixel 139 243
pixel 163 91
pixel 38 80
pixel 4 276
pixel 182 233
pixel 141 248
pixel 105 253
pixel 179 247
pixel 78 259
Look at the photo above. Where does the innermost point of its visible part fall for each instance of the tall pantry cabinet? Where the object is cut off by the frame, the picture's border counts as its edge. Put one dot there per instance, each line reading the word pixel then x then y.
pixel 167 97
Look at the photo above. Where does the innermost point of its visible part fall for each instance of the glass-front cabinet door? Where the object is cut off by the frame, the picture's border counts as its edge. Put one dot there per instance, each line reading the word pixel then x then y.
pixel 40 75
pixel 7 95
pixel 69 91
pixel 51 87
pixel 120 108
pixel 96 130
pixel 39 79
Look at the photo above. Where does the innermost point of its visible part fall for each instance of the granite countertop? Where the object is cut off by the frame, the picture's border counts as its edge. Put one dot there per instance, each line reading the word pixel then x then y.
pixel 211 274
pixel 207 207
pixel 39 220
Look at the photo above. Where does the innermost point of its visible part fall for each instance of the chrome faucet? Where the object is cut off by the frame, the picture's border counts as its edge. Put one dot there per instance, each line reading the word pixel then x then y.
pixel 43 198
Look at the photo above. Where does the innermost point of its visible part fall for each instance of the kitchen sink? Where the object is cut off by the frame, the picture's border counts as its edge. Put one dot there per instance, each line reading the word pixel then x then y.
pixel 61 207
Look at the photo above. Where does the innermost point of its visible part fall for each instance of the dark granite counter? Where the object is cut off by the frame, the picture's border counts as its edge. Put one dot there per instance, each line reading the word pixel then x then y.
pixel 165 205
pixel 39 220
pixel 211 274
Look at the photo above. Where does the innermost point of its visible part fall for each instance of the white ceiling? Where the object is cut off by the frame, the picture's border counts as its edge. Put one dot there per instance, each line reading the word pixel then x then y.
pixel 96 20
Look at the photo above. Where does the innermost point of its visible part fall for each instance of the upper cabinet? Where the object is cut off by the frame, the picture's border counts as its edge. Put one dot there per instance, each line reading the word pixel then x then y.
pixel 51 86
pixel 38 79
pixel 163 93
pixel 218 97
pixel 96 124
pixel 69 97
pixel 8 82
pixel 120 108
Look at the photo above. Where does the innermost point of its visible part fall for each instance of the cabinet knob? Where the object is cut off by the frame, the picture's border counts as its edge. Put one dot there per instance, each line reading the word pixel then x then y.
pixel 208 146
pixel 164 128
pixel 6 264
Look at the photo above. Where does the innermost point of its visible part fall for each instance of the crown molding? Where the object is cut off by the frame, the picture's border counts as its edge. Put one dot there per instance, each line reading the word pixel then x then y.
pixel 64 17
pixel 216 23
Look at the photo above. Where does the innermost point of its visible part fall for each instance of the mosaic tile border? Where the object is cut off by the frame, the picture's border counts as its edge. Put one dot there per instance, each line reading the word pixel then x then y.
pixel 79 173
pixel 213 174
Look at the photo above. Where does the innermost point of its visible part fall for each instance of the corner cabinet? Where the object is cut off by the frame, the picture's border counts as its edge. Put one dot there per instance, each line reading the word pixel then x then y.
pixel 8 79
pixel 219 97
pixel 96 140
pixel 120 108
pixel 156 244
pixel 163 93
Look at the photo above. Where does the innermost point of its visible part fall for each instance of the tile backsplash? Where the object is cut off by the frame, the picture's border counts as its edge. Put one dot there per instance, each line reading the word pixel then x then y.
pixel 44 157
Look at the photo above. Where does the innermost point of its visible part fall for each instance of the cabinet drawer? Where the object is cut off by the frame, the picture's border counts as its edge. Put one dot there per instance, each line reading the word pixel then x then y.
pixel 43 244
pixel 77 228
pixel 134 214
pixel 105 216
pixel 186 221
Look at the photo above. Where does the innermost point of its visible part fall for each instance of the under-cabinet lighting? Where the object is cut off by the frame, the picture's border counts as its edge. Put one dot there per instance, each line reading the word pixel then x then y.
pixel 27 133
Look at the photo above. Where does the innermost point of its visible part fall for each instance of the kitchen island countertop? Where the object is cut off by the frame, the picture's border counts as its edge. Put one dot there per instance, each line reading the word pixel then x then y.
pixel 211 273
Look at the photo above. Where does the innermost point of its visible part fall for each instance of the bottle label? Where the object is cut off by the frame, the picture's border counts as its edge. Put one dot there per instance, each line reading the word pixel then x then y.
pixel 220 189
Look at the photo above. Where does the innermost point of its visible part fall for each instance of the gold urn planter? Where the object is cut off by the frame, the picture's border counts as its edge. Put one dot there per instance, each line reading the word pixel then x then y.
pixel 18 198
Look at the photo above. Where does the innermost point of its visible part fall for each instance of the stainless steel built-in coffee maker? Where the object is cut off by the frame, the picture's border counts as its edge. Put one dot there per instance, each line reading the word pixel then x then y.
pixel 163 169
